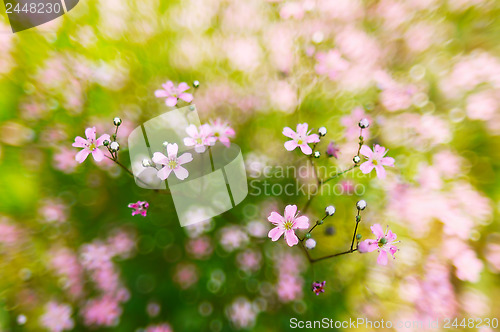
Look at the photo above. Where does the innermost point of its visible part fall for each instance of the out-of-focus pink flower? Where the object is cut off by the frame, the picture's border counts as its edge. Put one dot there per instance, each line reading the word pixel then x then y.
pixel 159 328
pixel 292 10
pixel 141 207
pixel 318 287
pixel 289 287
pixel 384 244
pixel 300 139
pixel 172 162
pixel 185 275
pixel 249 260
pixel 493 256
pixel 57 317
pixel 104 311
pixel 64 160
pixel 330 63
pixel 232 238
pixel 222 132
pixel 350 122
pixel 396 97
pixel 106 279
pixel 376 159
pixel 53 211
pixel 121 243
pixel 200 247
pixel 173 93
pixel 95 255
pixel 332 150
pixel 65 264
pixel 287 225
pixel 90 145
pixel 347 187
pixel 200 137
pixel 482 105
pixel 242 313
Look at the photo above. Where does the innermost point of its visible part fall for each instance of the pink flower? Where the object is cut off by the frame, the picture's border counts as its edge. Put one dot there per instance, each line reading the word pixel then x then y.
pixel 376 160
pixel 318 287
pixel 384 244
pixel 57 317
pixel 159 328
pixel 172 162
pixel 90 145
pixel 222 132
pixel 331 64
pixel 64 160
pixel 173 94
pixel 300 138
pixel 287 224
pixel 200 137
pixel 141 207
pixel 242 313
pixel 333 150
pixel 104 311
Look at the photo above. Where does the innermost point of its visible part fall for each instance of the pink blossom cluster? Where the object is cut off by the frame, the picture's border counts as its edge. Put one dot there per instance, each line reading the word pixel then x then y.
pixel 96 258
pixel 57 317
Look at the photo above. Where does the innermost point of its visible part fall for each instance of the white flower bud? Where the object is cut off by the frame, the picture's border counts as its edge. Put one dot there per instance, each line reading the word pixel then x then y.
pixel 361 205
pixel 310 244
pixel 330 210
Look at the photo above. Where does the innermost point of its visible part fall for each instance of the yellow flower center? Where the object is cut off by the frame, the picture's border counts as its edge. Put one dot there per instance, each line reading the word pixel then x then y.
pixel 199 141
pixel 375 162
pixel 92 146
pixel 172 164
pixel 288 224
pixel 300 141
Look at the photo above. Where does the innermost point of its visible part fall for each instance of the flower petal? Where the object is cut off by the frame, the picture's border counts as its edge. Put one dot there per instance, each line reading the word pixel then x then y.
pixel 391 236
pixel 301 222
pixel 200 148
pixel 164 173
pixel 290 212
pixel 314 138
pixel 192 131
pixel 80 142
pixel 275 233
pixel 159 158
pixel 290 145
pixel 366 151
pixel 366 167
pixel 98 155
pixel 171 101
pixel 382 258
pixel 90 133
pixel 82 155
pixel 275 218
pixel 302 129
pixel 291 238
pixel 367 246
pixel 185 158
pixel 101 139
pixel 377 230
pixel 288 132
pixel 183 86
pixel 306 149
pixel 187 97
pixel 161 94
pixel 387 161
pixel 181 172
pixel 380 171
pixel 172 150
pixel 188 141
